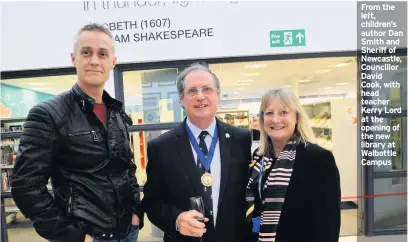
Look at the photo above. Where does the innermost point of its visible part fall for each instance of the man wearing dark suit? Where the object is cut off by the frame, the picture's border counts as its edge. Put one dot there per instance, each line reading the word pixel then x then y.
pixel 202 157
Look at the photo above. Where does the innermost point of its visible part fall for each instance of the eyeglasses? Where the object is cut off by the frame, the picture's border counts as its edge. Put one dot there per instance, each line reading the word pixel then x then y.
pixel 207 91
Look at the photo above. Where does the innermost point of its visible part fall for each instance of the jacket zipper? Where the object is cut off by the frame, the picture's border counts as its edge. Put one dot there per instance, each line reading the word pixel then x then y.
pixel 95 136
pixel 70 199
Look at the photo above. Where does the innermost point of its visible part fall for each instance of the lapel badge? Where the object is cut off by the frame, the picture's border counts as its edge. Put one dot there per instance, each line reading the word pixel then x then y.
pixel 227 135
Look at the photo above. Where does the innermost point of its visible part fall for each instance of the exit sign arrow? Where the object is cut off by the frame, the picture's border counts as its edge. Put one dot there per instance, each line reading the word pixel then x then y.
pixel 300 36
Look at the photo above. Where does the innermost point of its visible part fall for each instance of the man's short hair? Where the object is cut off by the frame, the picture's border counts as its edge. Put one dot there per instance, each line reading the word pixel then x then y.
pixel 95 27
pixel 188 70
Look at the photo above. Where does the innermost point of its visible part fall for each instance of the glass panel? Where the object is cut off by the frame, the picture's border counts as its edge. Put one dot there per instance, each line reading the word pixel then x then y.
pixel 326 87
pixel 18 96
pixel 397 96
pixel 151 96
pixel 397 137
pixel 390 208
pixel 139 142
pixel 394 144
pixel 394 85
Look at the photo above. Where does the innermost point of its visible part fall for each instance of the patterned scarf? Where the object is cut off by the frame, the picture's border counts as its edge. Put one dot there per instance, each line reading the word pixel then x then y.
pixel 273 191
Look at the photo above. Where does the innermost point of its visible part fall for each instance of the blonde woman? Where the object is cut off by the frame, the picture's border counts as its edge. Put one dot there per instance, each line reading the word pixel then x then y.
pixel 293 193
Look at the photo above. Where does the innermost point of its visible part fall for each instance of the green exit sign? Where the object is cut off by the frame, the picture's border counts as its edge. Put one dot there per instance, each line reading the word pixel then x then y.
pixel 287 38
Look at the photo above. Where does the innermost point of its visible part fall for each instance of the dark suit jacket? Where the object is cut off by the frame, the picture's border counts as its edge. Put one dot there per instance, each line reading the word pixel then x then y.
pixel 311 212
pixel 172 178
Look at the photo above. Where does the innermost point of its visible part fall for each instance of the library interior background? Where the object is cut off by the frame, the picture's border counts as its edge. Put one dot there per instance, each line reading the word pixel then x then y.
pixel 327 87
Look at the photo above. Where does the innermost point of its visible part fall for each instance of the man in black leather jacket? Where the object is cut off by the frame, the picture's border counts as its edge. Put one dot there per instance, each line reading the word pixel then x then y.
pixel 79 139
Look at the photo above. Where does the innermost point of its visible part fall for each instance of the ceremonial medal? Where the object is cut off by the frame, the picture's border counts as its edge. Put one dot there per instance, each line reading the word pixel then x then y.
pixel 207 179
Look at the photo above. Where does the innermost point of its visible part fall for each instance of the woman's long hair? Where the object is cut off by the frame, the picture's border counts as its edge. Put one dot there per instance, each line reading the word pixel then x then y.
pixel 288 99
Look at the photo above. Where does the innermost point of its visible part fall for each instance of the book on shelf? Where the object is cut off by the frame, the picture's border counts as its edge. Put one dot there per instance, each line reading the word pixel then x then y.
pixel 8 154
pixel 6 179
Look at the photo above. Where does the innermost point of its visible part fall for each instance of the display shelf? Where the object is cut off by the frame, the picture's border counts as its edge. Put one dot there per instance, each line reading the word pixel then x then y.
pixel 321 122
pixel 9 145
pixel 321 127
pixel 11 209
pixel 7 192
pixel 11 127
pixel 6 145
pixel 11 217
pixel 13 120
pixel 238 118
pixel 9 148
pixel 335 129
pixel 11 135
pixel 6 166
pixel 7 142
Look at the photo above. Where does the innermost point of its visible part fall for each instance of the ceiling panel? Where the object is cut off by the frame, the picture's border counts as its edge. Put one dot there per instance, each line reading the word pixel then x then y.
pixel 311 76
pixel 50 85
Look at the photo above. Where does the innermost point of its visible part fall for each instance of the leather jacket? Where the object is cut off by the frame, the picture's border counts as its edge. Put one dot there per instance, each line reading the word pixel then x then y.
pixel 91 169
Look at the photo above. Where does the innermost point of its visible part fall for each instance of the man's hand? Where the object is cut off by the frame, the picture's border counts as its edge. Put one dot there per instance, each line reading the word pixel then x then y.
pixel 135 220
pixel 88 238
pixel 189 226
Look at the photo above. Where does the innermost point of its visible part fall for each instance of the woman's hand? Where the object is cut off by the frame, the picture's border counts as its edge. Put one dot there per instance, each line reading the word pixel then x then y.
pixel 135 220
pixel 88 238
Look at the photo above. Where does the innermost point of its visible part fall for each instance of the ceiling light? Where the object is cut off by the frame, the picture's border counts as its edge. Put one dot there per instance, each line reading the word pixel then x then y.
pixel 341 64
pixel 249 74
pixel 37 83
pixel 323 71
pixel 245 81
pixel 41 88
pixel 244 84
pixel 255 66
pixel 236 93
pixel 325 88
pixel 304 81
pixel 287 86
pixel 341 83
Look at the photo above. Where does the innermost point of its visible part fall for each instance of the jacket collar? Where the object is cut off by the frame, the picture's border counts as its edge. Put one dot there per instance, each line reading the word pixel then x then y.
pixel 86 102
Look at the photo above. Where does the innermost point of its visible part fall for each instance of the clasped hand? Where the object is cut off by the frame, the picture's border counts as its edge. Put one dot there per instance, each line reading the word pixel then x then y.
pixel 189 226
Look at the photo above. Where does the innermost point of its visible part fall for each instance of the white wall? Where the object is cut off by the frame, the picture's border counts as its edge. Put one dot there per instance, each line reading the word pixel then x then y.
pixel 40 34
pixel 110 85
pixel 344 138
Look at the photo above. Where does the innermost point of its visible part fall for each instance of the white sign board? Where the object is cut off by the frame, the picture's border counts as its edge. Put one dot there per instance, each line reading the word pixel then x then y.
pixel 40 34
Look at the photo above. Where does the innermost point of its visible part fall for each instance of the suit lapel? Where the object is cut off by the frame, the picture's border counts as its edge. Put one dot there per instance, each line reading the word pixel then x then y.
pixel 225 138
pixel 188 164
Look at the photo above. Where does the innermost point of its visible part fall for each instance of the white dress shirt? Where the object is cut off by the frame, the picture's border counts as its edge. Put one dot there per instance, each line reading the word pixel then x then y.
pixel 216 161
